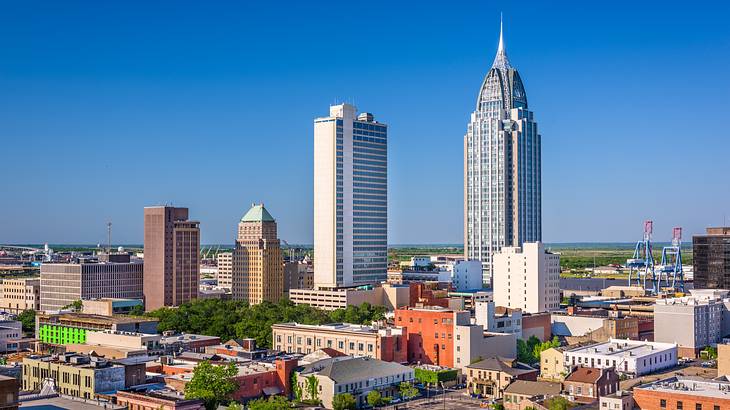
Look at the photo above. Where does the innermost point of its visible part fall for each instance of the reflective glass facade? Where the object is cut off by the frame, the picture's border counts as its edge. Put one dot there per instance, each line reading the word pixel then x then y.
pixel 502 177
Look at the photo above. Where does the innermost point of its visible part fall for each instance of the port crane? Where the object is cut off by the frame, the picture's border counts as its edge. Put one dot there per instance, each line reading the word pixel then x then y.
pixel 642 261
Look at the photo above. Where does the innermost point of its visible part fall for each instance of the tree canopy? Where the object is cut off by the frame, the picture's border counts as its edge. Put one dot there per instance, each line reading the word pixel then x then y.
pixel 27 318
pixel 344 401
pixel 230 319
pixel 529 351
pixel 272 403
pixel 374 398
pixel 212 383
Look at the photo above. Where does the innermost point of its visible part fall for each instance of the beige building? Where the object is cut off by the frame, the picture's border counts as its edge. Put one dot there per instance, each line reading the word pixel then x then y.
pixel 20 294
pixel 358 340
pixel 357 376
pixel 527 278
pixel 388 295
pixel 298 275
pixel 65 283
pixel 723 359
pixel 490 377
pixel 552 364
pixel 113 344
pixel 225 270
pixel 74 375
pixel 258 270
pixel 171 257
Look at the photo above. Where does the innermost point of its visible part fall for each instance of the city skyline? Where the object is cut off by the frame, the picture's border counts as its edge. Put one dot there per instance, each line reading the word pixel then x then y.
pixel 88 120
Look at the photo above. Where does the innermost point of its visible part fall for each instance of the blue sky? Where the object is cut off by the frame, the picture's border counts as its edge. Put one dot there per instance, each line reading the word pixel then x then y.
pixel 106 107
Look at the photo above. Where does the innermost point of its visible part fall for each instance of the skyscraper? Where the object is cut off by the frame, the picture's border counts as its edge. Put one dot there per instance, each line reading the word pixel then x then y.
pixel 711 258
pixel 171 257
pixel 258 271
pixel 350 199
pixel 502 177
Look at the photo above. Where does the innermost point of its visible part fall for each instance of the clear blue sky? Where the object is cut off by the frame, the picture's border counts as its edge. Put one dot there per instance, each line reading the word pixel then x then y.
pixel 106 107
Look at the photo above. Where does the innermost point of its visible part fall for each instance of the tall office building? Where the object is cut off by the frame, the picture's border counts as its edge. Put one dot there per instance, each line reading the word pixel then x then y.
pixel 350 199
pixel 502 179
pixel 527 278
pixel 711 259
pixel 171 257
pixel 258 270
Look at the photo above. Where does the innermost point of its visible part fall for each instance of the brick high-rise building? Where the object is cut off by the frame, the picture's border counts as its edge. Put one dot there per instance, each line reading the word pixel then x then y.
pixel 711 259
pixel 171 257
pixel 258 270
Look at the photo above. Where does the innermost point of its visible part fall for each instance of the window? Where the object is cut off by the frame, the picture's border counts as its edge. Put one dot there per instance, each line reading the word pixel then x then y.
pixel 698 406
pixel 680 405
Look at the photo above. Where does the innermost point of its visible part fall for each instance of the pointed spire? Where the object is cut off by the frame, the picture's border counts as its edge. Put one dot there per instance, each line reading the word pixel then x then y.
pixel 500 60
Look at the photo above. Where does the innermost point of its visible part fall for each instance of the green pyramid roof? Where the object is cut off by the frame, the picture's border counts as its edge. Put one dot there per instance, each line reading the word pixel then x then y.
pixel 257 213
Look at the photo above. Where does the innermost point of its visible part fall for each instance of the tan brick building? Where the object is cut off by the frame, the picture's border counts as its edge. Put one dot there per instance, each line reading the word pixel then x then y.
pixel 171 257
pixel 21 294
pixel 258 270
pixel 225 269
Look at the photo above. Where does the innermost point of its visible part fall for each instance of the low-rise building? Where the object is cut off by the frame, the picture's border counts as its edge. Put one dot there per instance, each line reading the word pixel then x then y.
pixel 71 328
pixel 389 344
pixel 11 332
pixel 723 359
pixel 109 306
pixel 498 319
pixel 388 295
pixel 520 390
pixel 74 375
pixel 298 275
pixel 357 376
pixel 9 388
pixel 552 364
pixel 683 392
pixel 490 377
pixel 620 400
pixel 113 344
pixel 19 294
pixel 629 357
pixel 594 325
pixel 158 399
pixel 587 384
pixel 172 343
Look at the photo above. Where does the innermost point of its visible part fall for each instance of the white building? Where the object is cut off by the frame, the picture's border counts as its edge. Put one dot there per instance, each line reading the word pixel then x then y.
pixel 11 331
pixel 502 175
pixel 498 319
pixel 704 318
pixel 527 278
pixel 466 275
pixel 225 270
pixel 350 199
pixel 630 357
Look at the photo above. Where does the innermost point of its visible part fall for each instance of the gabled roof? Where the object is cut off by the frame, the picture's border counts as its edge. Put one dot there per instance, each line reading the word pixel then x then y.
pixel 360 368
pixel 585 375
pixel 257 213
pixel 530 388
pixel 509 366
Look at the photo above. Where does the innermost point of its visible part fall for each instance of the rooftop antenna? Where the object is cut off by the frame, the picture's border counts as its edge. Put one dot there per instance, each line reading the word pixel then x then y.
pixel 109 237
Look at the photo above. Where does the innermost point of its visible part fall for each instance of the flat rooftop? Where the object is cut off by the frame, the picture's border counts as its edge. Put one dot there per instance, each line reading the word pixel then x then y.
pixel 340 327
pixel 623 348
pixel 89 318
pixel 692 386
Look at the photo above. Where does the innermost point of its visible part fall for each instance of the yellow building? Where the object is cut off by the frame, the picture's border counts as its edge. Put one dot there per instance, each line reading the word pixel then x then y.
pixel 552 365
pixel 20 294
pixel 723 359
pixel 258 271
pixel 73 375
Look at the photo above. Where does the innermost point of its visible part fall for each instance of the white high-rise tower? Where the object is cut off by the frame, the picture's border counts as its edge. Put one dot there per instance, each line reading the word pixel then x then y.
pixel 502 177
pixel 350 199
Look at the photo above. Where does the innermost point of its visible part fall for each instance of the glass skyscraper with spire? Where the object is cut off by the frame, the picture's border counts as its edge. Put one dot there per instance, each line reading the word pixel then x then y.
pixel 502 177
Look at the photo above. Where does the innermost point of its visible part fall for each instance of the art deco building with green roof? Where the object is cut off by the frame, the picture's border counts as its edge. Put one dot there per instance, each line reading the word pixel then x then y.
pixel 258 272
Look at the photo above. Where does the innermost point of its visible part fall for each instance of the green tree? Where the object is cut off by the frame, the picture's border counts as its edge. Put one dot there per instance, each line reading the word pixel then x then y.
pixel 526 350
pixel 235 406
pixel 344 401
pixel 374 398
pixel 136 310
pixel 558 403
pixel 212 383
pixel 27 318
pixel 272 403
pixel 76 306
pixel 313 389
pixel 296 389
pixel 407 391
pixel 498 406
pixel 541 347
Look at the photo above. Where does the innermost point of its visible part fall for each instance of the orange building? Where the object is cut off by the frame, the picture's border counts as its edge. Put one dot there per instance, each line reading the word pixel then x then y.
pixel 431 333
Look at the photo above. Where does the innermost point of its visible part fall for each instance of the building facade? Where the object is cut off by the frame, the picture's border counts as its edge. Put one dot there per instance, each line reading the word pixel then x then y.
pixel 65 283
pixel 711 259
pixel 587 385
pixel 527 278
pixel 71 328
pixel 225 270
pixel 350 198
pixel 20 294
pixel 490 377
pixel 298 275
pixel 258 272
pixel 628 357
pixel 683 392
pixel 171 257
pixel 74 375
pixel 389 344
pixel 502 176
pixel 700 316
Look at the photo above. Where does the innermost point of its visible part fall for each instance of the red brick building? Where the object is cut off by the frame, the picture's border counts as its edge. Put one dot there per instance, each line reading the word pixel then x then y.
pixel 587 384
pixel 430 333
pixel 683 392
